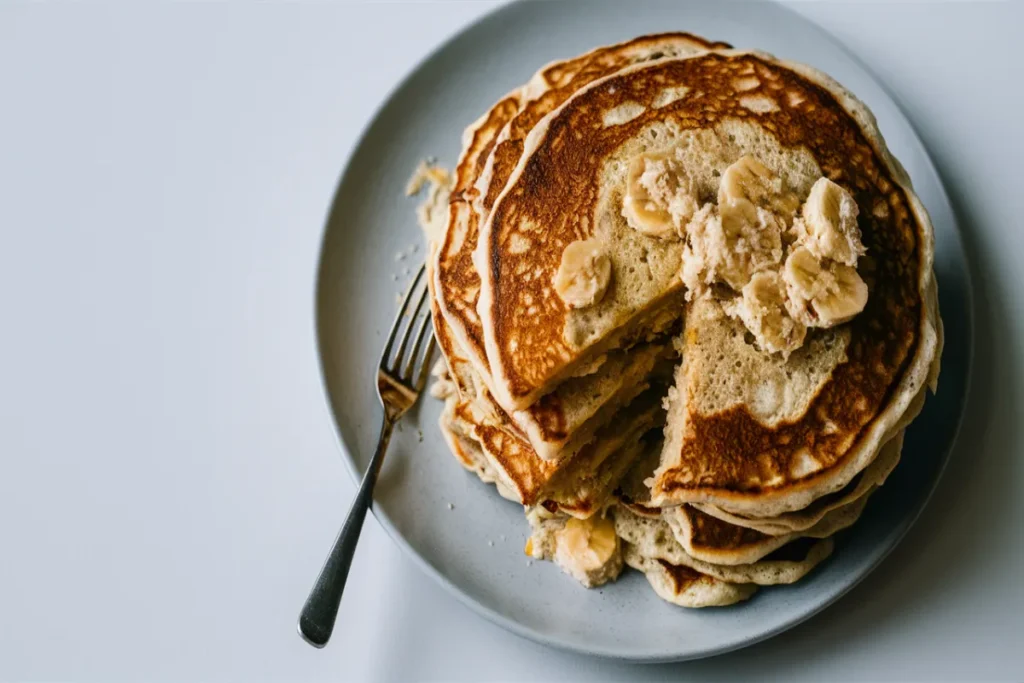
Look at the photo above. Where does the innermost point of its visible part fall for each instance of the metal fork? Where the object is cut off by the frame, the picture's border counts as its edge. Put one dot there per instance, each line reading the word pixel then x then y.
pixel 400 379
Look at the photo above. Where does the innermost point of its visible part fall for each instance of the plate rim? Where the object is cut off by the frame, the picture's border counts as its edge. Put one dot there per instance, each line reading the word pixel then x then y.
pixel 554 641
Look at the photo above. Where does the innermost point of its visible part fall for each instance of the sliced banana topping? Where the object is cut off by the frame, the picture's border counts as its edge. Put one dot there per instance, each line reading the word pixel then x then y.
pixel 588 549
pixel 745 185
pixel 660 196
pixel 828 223
pixel 748 185
pixel 822 293
pixel 584 273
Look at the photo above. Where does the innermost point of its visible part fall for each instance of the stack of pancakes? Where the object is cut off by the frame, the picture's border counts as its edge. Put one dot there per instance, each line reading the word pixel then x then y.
pixel 686 305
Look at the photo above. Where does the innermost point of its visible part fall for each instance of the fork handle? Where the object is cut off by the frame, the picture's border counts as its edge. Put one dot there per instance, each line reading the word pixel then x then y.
pixel 316 621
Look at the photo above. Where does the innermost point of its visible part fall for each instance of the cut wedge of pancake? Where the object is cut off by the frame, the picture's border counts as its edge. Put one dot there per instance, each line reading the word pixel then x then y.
pixel 579 486
pixel 585 487
pixel 558 424
pixel 457 280
pixel 685 586
pixel 564 421
pixel 653 538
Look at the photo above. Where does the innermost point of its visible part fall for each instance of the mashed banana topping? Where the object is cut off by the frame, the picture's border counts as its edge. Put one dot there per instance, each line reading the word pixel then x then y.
pixel 584 273
pixel 660 197
pixel 786 265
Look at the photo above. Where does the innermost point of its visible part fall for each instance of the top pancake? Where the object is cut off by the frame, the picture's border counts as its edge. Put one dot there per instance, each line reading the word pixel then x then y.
pixel 562 190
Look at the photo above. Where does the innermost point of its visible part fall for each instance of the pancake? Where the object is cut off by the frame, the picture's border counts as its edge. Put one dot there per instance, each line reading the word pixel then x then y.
pixel 850 384
pixel 467 450
pixel 560 423
pixel 480 175
pixel 684 586
pixel 706 538
pixel 862 484
pixel 653 538
pixel 579 486
pixel 582 489
pixel 857 381
pixel 709 539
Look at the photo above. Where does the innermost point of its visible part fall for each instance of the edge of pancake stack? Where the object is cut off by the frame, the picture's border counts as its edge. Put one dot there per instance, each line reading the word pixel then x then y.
pixel 686 304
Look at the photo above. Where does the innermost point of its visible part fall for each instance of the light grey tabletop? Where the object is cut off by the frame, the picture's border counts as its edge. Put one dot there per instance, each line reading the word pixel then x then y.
pixel 169 479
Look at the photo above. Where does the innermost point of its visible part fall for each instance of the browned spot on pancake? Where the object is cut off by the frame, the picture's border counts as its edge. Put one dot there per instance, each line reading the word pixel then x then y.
pixel 475 155
pixel 590 67
pixel 831 498
pixel 517 459
pixel 682 576
pixel 549 415
pixel 711 533
pixel 794 551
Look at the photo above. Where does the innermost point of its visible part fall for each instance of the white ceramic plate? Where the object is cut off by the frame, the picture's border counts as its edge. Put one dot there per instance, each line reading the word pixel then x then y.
pixel 476 549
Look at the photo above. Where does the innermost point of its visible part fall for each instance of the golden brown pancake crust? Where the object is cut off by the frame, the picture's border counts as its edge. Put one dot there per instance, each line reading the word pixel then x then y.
pixel 710 533
pixel 458 283
pixel 558 187
pixel 598 64
pixel 682 576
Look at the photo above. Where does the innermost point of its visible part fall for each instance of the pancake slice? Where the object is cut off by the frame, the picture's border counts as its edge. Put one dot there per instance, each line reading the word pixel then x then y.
pixel 685 586
pixel 861 485
pixel 653 538
pixel 711 540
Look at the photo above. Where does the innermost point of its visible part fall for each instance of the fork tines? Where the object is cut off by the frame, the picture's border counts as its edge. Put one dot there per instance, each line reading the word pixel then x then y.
pixel 419 320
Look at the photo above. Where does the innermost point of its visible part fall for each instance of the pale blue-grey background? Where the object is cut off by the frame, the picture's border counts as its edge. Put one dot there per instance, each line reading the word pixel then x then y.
pixel 169 480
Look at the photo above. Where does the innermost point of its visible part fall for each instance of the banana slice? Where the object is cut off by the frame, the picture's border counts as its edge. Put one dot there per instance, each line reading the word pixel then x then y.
pixel 822 294
pixel 747 179
pixel 828 227
pixel 584 273
pixel 748 185
pixel 846 296
pixel 762 308
pixel 588 550
pixel 660 197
